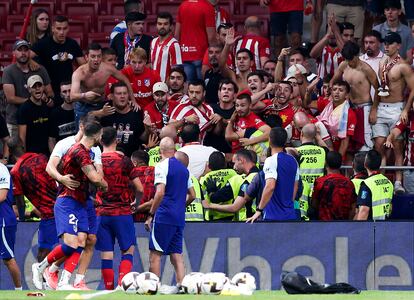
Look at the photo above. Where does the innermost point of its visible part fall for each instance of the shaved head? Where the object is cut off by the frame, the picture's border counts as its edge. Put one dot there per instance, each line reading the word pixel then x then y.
pixel 252 22
pixel 309 131
pixel 167 147
pixel 168 131
pixel 182 157
pixel 300 119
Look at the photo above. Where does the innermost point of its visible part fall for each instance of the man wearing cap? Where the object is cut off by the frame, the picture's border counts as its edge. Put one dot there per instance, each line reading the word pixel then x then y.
pixel 133 37
pixel 14 83
pixel 157 114
pixel 392 11
pixel 395 76
pixel 33 118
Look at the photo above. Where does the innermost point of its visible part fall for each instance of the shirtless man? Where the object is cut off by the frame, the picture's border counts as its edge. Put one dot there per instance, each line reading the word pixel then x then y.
pixel 89 81
pixel 361 77
pixel 244 62
pixel 395 75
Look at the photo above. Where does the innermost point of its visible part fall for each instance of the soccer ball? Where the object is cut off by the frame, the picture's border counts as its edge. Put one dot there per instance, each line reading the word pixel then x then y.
pixel 129 283
pixel 245 280
pixel 148 283
pixel 213 283
pixel 192 283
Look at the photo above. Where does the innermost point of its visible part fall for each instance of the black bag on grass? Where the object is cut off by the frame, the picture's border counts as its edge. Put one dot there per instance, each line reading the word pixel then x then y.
pixel 295 283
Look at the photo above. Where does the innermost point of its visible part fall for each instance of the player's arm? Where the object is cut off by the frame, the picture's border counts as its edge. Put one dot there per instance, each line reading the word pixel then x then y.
pixel 338 73
pixel 191 195
pixel 67 180
pixel 159 194
pixel 238 204
pixel 145 207
pixel 364 202
pixel 95 177
pixel 407 73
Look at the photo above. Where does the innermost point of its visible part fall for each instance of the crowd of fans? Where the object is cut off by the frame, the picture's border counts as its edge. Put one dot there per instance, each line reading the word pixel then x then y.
pixel 344 98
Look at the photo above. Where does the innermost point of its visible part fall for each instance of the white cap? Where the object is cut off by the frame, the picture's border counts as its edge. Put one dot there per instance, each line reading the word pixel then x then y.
pixel 293 70
pixel 33 80
pixel 160 87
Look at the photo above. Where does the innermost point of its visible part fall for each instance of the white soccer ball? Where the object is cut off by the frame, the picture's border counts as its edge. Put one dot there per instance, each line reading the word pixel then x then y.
pixel 213 283
pixel 129 283
pixel 244 280
pixel 191 283
pixel 148 283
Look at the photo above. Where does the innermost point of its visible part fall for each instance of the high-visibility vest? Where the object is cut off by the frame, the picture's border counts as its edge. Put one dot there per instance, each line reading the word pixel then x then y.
pixel 221 177
pixel 29 207
pixel 312 163
pixel 304 201
pixel 155 155
pixel 382 191
pixel 236 183
pixel 357 184
pixel 259 148
pixel 194 211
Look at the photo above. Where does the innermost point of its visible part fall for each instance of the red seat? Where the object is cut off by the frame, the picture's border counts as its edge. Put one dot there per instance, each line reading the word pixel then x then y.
pixel 115 7
pixel 80 9
pixel 252 7
pixel 165 6
pixel 22 6
pixel 99 37
pixel 4 12
pixel 228 5
pixel 80 38
pixel 151 25
pixel 107 23
pixel 7 41
pixel 15 23
pixel 5 59
pixel 79 24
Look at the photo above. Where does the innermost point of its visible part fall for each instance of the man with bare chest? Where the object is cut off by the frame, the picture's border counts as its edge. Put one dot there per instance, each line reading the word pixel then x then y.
pixel 89 81
pixel 395 75
pixel 361 77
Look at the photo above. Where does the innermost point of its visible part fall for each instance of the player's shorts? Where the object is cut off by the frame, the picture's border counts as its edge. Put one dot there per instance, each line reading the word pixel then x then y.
pixel 291 21
pixel 110 227
pixel 71 216
pixel 47 237
pixel 166 238
pixel 7 239
pixel 92 222
pixel 388 114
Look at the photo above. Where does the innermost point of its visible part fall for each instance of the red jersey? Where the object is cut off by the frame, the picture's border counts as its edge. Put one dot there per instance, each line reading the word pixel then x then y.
pixel 160 119
pixel 142 84
pixel 118 172
pixel 336 196
pixel 72 162
pixel 111 80
pixel 194 16
pixel 164 55
pixel 258 45
pixel 330 60
pixel 242 123
pixel 146 175
pixel 286 113
pixel 285 6
pixel 203 112
pixel 321 103
pixel 30 179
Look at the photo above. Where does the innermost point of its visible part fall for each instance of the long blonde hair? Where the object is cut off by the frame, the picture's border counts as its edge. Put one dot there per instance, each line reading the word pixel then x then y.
pixel 33 31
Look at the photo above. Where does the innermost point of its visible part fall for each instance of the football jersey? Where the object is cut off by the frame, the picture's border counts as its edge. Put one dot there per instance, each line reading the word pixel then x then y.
pixel 64 145
pixel 7 216
pixel 164 55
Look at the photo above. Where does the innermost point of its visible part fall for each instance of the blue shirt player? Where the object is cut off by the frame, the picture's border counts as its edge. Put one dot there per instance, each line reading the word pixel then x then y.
pixel 166 218
pixel 8 226
pixel 282 177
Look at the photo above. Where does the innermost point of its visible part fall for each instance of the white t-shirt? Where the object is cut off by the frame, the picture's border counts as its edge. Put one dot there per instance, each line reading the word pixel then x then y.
pixel 64 145
pixel 198 156
pixel 161 173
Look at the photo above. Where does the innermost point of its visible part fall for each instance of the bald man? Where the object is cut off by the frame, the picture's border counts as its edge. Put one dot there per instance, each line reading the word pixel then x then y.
pixel 166 218
pixel 154 153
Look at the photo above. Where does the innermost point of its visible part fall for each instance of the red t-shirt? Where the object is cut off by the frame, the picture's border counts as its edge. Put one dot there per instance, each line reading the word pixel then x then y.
pixel 336 196
pixel 285 5
pixel 72 162
pixel 118 172
pixel 286 113
pixel 242 123
pixel 146 175
pixel 111 80
pixel 321 103
pixel 30 179
pixel 194 17
pixel 142 84
pixel 350 129
pixel 257 45
pixel 156 116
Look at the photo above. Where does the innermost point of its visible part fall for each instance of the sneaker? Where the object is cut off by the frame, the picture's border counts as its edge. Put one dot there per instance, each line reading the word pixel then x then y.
pixel 37 277
pixel 66 287
pixel 398 188
pixel 51 279
pixel 168 289
pixel 81 285
pixel 119 288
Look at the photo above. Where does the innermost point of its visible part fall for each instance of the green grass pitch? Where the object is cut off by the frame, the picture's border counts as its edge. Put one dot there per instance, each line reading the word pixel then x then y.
pixel 258 295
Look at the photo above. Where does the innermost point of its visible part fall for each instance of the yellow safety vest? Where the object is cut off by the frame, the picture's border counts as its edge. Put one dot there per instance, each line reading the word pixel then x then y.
pixel 155 155
pixel 221 177
pixel 259 148
pixel 236 183
pixel 304 201
pixel 312 163
pixel 29 207
pixel 194 211
pixel 357 184
pixel 382 191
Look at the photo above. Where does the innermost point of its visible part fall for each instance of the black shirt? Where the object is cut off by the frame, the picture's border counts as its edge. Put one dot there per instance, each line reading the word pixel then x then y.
pixel 118 44
pixel 57 59
pixel 129 128
pixel 36 118
pixel 212 81
pixel 62 123
pixel 4 132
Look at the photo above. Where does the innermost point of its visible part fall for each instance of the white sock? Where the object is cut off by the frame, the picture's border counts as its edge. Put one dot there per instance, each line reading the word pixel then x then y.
pixel 18 288
pixel 78 278
pixel 64 278
pixel 53 268
pixel 43 265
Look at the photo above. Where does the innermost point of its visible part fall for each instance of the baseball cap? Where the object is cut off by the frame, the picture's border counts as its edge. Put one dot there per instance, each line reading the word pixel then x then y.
pixel 33 80
pixel 21 43
pixel 292 70
pixel 392 37
pixel 160 87
pixel 392 4
pixel 135 16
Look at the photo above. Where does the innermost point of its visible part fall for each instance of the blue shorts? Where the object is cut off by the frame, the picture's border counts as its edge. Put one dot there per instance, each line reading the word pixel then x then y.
pixel 166 238
pixel 71 216
pixel 7 239
pixel 110 227
pixel 47 237
pixel 93 226
pixel 291 21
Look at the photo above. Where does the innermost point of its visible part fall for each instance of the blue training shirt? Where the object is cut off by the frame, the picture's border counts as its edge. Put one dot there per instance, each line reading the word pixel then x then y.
pixel 176 178
pixel 7 216
pixel 284 169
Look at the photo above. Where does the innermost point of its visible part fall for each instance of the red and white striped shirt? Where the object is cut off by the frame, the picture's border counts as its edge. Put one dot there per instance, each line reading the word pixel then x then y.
pixel 164 55
pixel 330 60
pixel 258 45
pixel 222 16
